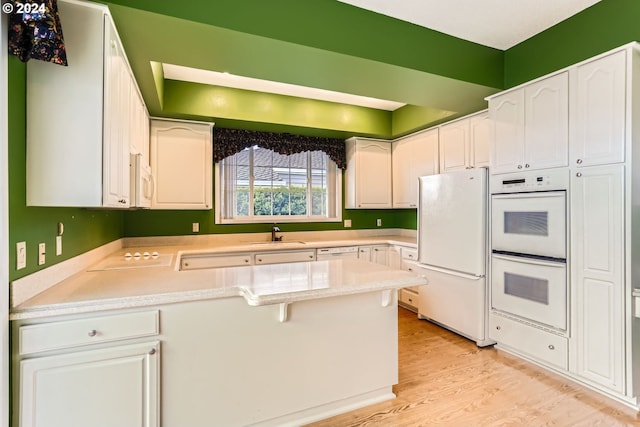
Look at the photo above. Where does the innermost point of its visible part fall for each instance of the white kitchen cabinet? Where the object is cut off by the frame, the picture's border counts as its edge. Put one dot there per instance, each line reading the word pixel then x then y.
pixel 464 143
pixel 409 297
pixel 78 151
pixel 87 371
pixel 182 164
pixel 413 156
pixel 598 105
pixel 530 126
pixel 597 239
pixel 116 386
pixel 278 257
pixel 378 254
pixel 198 261
pixel 368 174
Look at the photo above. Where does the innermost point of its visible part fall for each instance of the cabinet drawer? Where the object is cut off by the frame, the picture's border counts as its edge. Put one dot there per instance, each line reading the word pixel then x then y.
pixel 72 333
pixel 408 297
pixel 410 254
pixel 537 343
pixel 214 261
pixel 280 257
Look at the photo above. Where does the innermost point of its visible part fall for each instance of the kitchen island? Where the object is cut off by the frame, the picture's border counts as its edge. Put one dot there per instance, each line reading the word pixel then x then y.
pixel 280 344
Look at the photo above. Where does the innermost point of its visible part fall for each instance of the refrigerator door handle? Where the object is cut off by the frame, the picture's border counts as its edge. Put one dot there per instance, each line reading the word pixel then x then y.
pixel 451 272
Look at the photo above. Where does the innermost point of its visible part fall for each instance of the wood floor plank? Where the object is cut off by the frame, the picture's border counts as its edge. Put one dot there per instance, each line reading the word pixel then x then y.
pixel 446 380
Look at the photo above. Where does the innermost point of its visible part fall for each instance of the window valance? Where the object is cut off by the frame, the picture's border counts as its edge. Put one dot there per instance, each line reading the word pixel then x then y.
pixel 227 142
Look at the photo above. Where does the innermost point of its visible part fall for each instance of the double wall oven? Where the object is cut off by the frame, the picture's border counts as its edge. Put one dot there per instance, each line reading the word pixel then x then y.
pixel 529 246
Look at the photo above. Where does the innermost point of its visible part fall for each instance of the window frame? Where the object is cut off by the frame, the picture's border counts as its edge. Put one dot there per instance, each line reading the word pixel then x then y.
pixel 218 213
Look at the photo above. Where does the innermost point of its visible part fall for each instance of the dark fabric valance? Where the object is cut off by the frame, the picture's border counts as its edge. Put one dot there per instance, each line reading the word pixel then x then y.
pixel 35 31
pixel 227 142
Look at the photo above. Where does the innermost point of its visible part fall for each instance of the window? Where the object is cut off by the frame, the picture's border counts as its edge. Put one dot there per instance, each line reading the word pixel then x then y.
pixel 260 185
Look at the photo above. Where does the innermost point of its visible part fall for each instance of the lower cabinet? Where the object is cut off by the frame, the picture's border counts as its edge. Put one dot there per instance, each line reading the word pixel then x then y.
pixel 115 386
pixel 597 203
pixel 87 371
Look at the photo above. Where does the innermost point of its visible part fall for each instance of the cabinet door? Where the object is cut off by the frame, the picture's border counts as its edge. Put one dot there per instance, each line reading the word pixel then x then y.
pixel 116 386
pixel 547 123
pixel 507 124
pixel 373 174
pixel 454 146
pixel 480 140
pixel 182 165
pixel 412 157
pixel 117 114
pixel 364 253
pixel 598 111
pixel 598 287
pixel 380 254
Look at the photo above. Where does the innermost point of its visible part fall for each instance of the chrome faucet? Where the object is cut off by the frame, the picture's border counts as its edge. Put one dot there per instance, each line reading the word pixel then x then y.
pixel 275 229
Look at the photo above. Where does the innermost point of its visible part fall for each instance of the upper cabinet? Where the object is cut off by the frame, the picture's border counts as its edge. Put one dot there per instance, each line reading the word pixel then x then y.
pixel 182 164
pixel 464 143
pixel 412 157
pixel 530 126
pixel 598 106
pixel 368 174
pixel 80 118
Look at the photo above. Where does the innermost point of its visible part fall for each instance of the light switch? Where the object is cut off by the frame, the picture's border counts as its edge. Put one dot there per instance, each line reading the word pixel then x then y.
pixel 21 255
pixel 41 253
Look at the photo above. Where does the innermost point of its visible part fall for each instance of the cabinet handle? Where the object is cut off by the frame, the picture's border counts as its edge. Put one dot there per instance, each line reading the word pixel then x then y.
pixel 410 269
pixel 579 161
pixel 498 327
pixel 259 259
pixel 246 260
pixel 579 174
pixel 123 201
pixel 310 256
pixel 527 165
pixel 552 347
pixel 152 351
pixel 92 333
pixel 186 264
pixel 519 166
pixel 410 300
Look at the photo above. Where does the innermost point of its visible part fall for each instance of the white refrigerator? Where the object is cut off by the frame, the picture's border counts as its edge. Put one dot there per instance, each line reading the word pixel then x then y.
pixel 452 252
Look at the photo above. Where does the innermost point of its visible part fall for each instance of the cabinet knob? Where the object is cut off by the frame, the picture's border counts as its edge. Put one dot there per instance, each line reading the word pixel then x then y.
pixel 259 259
pixel 552 347
pixel 527 165
pixel 519 166
pixel 92 333
pixel 246 260
pixel 152 351
pixel 310 256
pixel 186 264
pixel 498 327
pixel 579 161
pixel 122 201
pixel 579 174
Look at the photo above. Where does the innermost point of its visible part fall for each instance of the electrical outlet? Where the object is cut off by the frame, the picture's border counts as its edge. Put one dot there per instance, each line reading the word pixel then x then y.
pixel 58 245
pixel 379 222
pixel 21 255
pixel 195 227
pixel 347 223
pixel 41 253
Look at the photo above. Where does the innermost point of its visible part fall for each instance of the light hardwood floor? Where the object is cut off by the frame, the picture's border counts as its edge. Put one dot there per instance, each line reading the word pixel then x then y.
pixel 446 380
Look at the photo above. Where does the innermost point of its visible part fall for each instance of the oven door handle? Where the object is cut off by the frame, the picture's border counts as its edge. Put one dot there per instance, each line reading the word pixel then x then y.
pixel 530 261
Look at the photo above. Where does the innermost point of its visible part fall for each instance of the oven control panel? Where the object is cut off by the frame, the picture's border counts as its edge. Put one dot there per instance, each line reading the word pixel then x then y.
pixel 520 182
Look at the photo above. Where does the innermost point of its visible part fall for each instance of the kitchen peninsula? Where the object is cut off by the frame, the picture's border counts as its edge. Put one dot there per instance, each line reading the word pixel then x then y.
pixel 255 345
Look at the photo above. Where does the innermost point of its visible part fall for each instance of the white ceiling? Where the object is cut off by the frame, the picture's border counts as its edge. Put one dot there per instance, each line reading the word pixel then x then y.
pixel 500 24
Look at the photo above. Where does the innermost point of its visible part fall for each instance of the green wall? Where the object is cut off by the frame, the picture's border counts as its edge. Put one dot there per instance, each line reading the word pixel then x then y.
pixel 84 229
pixel 603 26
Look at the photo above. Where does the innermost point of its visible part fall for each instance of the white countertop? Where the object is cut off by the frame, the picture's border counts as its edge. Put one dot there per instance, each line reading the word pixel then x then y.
pixel 119 288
